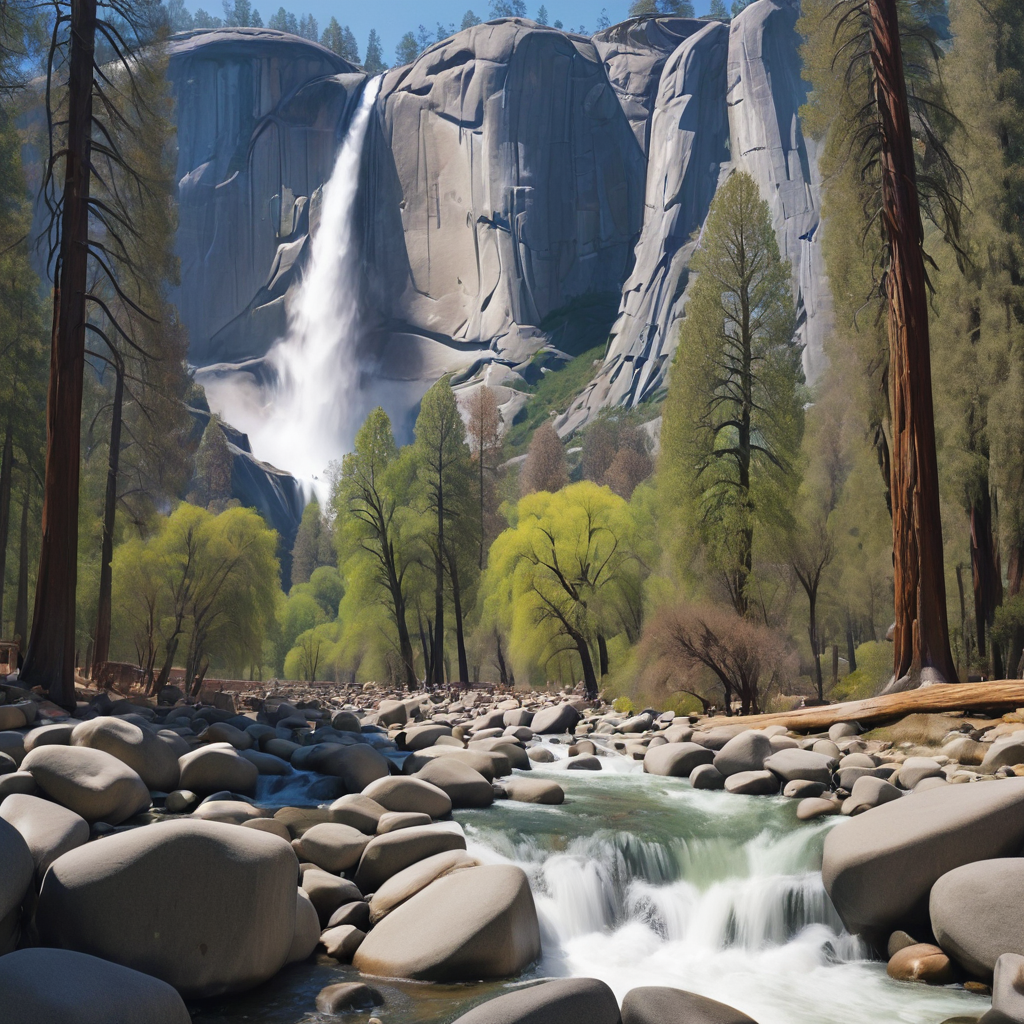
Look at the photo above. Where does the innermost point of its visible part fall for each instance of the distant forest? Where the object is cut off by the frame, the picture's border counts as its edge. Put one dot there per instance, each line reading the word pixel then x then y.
pixel 340 39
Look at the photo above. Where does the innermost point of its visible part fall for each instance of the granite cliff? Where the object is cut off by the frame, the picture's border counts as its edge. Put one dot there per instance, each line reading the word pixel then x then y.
pixel 511 174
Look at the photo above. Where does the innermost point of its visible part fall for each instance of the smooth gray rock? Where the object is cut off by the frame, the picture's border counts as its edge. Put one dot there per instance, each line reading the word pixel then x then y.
pixel 533 791
pixel 746 752
pixel 345 996
pixel 793 764
pixel 307 929
pixel 357 765
pixel 813 807
pixel 406 883
pixel 224 898
pixel 801 789
pixel 879 867
pixel 217 766
pixel 565 1001
pixel 465 786
pixel 707 776
pixel 407 794
pixel 388 854
pixel 43 985
pixel 561 718
pixel 331 846
pixel 1008 752
pixel 92 783
pixel 328 892
pixel 359 811
pixel 475 924
pixel 975 913
pixel 15 879
pixel 762 783
pixel 869 792
pixel 659 1005
pixel 1008 988
pixel 917 769
pixel 49 829
pixel 676 759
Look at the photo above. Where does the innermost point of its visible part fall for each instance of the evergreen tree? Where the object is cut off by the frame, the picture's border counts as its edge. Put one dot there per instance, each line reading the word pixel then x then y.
pixel 541 19
pixel 314 545
pixel 406 51
pixel 284 21
pixel 374 60
pixel 308 28
pixel 179 18
pixel 733 417
pixel 340 39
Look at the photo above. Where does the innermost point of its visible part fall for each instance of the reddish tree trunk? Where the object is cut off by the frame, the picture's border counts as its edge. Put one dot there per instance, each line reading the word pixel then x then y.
pixel 101 652
pixel 921 637
pixel 5 510
pixel 50 660
pixel 985 574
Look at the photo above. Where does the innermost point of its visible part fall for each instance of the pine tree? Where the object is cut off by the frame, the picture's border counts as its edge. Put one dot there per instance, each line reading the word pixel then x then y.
pixel 374 60
pixel 733 416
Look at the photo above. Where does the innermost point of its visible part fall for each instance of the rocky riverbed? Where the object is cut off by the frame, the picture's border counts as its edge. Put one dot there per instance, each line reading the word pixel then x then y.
pixel 502 858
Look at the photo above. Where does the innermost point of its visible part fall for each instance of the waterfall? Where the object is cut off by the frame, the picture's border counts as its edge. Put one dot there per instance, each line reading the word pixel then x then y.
pixel 308 419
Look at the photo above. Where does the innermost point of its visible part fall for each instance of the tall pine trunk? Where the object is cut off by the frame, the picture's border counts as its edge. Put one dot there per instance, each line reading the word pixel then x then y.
pixel 21 603
pixel 101 651
pixel 921 636
pixel 5 510
pixel 985 574
pixel 50 660
pixel 437 656
pixel 460 637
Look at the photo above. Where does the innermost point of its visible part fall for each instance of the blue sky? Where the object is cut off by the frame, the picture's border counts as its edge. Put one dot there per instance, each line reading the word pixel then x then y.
pixel 393 18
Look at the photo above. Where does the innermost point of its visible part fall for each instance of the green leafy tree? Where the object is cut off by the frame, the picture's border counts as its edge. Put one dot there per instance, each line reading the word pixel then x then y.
pixel 733 417
pixel 717 9
pixel 556 576
pixel 374 528
pixel 314 544
pixel 445 479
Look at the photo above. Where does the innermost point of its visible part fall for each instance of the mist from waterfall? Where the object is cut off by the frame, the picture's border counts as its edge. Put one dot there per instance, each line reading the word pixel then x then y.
pixel 307 418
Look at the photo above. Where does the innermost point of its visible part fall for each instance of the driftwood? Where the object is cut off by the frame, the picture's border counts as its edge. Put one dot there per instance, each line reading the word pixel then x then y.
pixel 1003 696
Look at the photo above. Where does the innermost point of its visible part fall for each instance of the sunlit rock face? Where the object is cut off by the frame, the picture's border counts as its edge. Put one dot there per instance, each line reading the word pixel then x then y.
pixel 506 182
pixel 728 99
pixel 260 115
pixel 511 172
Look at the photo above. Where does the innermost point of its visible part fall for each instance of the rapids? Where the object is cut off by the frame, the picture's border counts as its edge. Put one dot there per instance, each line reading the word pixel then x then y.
pixel 641 880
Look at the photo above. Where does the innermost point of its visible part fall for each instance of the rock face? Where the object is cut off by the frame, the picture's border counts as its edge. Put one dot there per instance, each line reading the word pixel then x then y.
pixel 879 867
pixel 656 1004
pixel 207 907
pixel 73 988
pixel 477 923
pixel 974 913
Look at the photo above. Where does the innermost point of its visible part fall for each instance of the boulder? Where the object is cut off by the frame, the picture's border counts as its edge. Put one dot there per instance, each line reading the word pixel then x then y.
pixel 921 962
pixel 348 995
pixel 49 829
pixel 271 825
pixel 879 867
pixel 965 750
pixel 17 782
pixel 89 782
pixel 342 941
pixel 540 755
pixel 358 811
pixel 800 789
pixel 394 820
pixel 346 721
pixel 490 764
pixel 533 791
pixel 215 767
pixel 12 743
pixel 659 1005
pixel 869 792
pixel 15 879
pixel 812 807
pixel 1007 751
pixel 42 985
pixel 1008 989
pixel 792 764
pixel 142 750
pixel 357 765
pixel 975 913
pixel 12 717
pixel 397 793
pixel 916 769
pixel 746 752
pixel 331 846
pixel 233 812
pixel 42 735
pixel 224 732
pixel 299 819
pixel 181 801
pixel 583 763
pixel 842 730
pixel 207 907
pixel 327 892
pixel 465 786
pixel 676 759
pixel 267 764
pixel 357 912
pixel 515 752
pixel 707 776
pixel 406 883
pixel 392 712
pixel 388 854
pixel 417 737
pixel 475 924
pixel 753 783
pixel 307 929
pixel 565 1001
pixel 562 718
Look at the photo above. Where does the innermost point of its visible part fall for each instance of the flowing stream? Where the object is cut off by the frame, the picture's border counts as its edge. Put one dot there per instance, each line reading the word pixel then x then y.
pixel 644 881
pixel 307 419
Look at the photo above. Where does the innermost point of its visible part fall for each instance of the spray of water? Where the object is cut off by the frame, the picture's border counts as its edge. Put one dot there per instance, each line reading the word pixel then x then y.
pixel 307 420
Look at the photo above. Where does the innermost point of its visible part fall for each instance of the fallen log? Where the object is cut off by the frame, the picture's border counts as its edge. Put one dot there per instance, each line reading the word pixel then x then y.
pixel 1002 696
